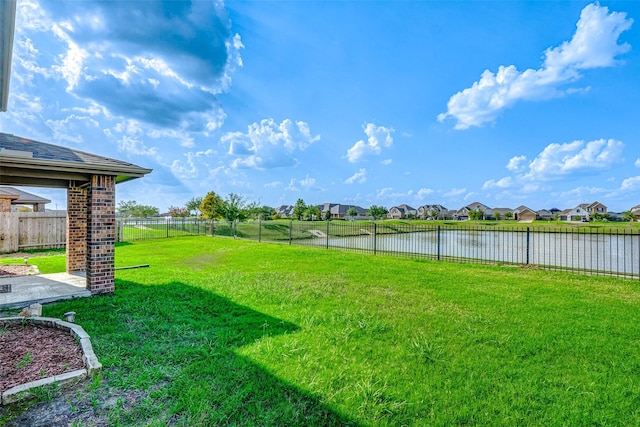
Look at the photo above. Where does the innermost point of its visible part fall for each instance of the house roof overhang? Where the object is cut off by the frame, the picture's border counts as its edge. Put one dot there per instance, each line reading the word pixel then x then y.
pixel 7 20
pixel 38 164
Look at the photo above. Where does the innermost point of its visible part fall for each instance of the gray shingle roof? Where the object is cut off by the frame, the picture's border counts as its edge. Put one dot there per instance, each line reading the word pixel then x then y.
pixel 24 197
pixel 29 158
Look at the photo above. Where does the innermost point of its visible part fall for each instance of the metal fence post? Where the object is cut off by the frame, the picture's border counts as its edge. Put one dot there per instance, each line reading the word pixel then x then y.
pixel 167 222
pixel 528 239
pixel 260 229
pixel 438 243
pixel 327 233
pixel 290 231
pixel 375 238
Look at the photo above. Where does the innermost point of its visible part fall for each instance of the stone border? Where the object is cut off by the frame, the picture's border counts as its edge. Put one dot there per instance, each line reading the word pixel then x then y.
pixel 91 362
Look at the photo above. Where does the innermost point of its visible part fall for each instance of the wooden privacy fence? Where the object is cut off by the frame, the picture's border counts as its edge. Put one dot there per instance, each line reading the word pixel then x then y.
pixel 32 230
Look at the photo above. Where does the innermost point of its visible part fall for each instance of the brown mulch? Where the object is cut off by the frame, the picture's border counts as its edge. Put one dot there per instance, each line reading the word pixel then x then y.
pixel 32 352
pixel 15 270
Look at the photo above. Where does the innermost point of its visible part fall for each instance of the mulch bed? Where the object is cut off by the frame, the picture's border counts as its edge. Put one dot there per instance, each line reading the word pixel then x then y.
pixel 15 270
pixel 32 352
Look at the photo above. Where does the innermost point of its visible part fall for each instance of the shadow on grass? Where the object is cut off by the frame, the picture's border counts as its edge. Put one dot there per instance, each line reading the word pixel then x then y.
pixel 178 342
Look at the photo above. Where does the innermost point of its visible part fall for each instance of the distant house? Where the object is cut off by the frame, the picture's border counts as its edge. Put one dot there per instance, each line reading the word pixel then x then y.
pixel 284 211
pixel 635 210
pixel 495 212
pixel 523 213
pixel 11 198
pixel 338 211
pixel 579 213
pixel 427 211
pixel 401 211
pixel 583 212
pixel 545 215
pixel 462 214
pixel 596 207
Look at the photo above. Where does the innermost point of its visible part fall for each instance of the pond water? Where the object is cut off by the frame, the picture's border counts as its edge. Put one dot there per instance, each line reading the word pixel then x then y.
pixel 616 253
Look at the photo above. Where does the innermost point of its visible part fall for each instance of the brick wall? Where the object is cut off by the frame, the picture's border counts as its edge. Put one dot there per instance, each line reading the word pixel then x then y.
pixel 5 205
pixel 76 229
pixel 101 227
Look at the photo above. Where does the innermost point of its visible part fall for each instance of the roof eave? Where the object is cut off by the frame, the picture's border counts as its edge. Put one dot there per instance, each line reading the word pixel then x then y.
pixel 8 19
pixel 75 167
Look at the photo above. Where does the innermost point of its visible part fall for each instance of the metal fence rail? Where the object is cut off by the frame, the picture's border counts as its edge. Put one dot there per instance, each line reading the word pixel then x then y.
pixel 585 250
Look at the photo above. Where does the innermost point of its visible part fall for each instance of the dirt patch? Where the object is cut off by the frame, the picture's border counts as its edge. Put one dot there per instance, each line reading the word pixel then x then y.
pixel 95 405
pixel 32 352
pixel 18 270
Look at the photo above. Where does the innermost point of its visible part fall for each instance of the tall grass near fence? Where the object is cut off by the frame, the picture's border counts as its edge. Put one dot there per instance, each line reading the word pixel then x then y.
pixel 590 250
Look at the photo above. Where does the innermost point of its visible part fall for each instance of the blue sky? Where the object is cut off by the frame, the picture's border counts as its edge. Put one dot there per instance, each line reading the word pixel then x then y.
pixel 506 103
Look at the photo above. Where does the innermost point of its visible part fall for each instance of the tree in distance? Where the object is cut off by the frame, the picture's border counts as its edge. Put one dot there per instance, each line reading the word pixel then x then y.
pixel 210 206
pixel 312 213
pixel 130 208
pixel 177 212
pixel 352 212
pixel 193 205
pixel 377 212
pixel 298 209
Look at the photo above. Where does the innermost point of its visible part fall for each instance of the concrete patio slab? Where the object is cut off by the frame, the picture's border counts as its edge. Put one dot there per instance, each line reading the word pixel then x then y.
pixel 42 288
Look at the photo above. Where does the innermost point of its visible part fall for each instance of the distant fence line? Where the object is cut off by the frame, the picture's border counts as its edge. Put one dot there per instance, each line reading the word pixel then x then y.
pixel 585 250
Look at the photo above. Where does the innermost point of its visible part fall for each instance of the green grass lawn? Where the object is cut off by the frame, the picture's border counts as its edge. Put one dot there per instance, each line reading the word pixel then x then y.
pixel 232 332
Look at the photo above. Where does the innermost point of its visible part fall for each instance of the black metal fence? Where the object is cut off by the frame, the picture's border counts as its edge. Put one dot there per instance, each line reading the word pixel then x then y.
pixel 605 251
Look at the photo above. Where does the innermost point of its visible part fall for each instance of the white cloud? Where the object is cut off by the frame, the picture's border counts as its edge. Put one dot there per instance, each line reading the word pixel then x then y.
pixel 135 145
pixel 581 192
pixel 455 192
pixel 578 156
pixel 501 183
pixel 273 184
pixel 637 163
pixel 268 144
pixel 359 177
pixel 517 163
pixel 386 162
pixel 308 184
pixel 377 138
pixel 594 45
pixel 71 128
pixel 630 184
pixel 185 168
pixel 424 192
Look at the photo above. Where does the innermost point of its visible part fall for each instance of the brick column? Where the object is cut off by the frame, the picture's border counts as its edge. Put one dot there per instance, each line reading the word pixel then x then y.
pixel 76 229
pixel 101 227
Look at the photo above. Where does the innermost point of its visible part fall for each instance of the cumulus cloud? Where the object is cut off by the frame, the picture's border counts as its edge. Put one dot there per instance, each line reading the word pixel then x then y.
pixel 424 192
pixel 637 163
pixel 377 138
pixel 580 193
pixel 268 144
pixel 593 45
pixel 359 177
pixel 307 183
pixel 577 156
pixel 558 161
pixel 501 183
pixel 72 128
pixel 455 192
pixel 630 184
pixel 517 163
pixel 159 62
